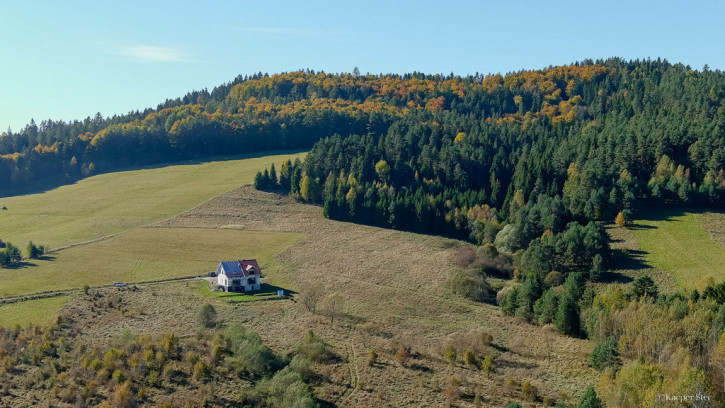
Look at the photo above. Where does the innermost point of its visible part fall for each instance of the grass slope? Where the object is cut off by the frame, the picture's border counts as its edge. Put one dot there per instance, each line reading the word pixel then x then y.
pixel 144 254
pixel 393 286
pixel 676 242
pixel 38 311
pixel 114 202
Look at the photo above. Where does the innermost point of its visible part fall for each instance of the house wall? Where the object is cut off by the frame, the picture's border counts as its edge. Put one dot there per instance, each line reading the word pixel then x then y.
pixel 226 282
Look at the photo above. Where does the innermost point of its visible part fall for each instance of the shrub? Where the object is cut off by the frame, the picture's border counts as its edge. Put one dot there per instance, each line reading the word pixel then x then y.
pixel 285 389
pixel 469 357
pixel 511 384
pixel 466 256
pixel 201 371
pixel 315 349
pixel 487 365
pixel 472 285
pixel 302 366
pixel 451 354
pixel 554 278
pixel 401 356
pixel 372 358
pixel 207 316
pixel 528 391
pixel 123 396
pixel 247 348
pixel 119 377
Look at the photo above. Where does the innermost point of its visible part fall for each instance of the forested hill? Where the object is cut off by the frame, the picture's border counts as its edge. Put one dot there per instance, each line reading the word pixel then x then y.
pixel 580 142
pixel 599 137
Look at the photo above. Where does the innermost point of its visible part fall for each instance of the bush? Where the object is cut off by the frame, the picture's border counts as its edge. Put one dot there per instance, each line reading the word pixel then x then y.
pixel 451 354
pixel 472 285
pixel 201 371
pixel 302 366
pixel 119 377
pixel 285 389
pixel 315 349
pixel 487 364
pixel 469 357
pixel 528 391
pixel 207 316
pixel 247 348
pixel 554 278
pixel 372 358
pixel 466 256
pixel 401 356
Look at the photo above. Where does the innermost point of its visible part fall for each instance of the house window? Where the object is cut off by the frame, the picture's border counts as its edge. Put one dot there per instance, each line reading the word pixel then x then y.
pixel 251 271
pixel 251 281
pixel 235 282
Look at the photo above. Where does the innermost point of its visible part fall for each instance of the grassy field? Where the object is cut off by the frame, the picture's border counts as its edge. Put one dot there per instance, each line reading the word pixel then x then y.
pixel 676 242
pixel 114 202
pixel 144 254
pixel 39 311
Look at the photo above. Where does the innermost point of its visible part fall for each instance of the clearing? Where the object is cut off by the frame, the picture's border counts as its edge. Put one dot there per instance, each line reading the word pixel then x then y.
pixel 110 203
pixel 675 241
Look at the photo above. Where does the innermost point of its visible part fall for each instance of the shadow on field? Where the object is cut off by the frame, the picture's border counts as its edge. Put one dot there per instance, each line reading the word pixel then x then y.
pixel 28 263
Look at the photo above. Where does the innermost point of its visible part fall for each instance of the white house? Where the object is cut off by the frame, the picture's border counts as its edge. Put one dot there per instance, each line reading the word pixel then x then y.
pixel 239 276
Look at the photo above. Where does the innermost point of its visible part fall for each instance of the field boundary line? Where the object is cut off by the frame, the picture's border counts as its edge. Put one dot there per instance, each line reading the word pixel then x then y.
pixel 68 292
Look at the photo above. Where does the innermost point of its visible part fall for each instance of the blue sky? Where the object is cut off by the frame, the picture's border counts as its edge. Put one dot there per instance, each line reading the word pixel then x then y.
pixel 70 59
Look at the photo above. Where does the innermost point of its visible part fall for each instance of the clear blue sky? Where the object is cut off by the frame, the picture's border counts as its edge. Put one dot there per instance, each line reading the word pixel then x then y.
pixel 70 59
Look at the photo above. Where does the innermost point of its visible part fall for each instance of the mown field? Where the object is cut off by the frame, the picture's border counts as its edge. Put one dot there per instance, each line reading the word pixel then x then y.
pixel 85 217
pixel 114 202
pixel 144 254
pixel 677 242
pixel 38 311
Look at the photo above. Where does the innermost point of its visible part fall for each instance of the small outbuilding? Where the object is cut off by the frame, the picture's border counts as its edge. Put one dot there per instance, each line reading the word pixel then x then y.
pixel 239 276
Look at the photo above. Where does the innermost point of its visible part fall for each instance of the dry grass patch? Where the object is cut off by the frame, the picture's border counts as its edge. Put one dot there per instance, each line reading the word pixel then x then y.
pixel 393 286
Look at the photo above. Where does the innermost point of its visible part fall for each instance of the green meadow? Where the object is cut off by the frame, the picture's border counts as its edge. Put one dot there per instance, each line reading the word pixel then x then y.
pixel 99 221
pixel 676 242
pixel 110 203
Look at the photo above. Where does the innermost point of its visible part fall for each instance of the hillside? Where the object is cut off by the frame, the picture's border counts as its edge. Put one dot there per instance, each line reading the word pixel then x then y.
pixel 394 296
pixel 562 225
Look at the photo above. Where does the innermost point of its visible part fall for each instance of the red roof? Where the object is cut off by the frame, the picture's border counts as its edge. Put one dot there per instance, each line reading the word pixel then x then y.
pixel 248 264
